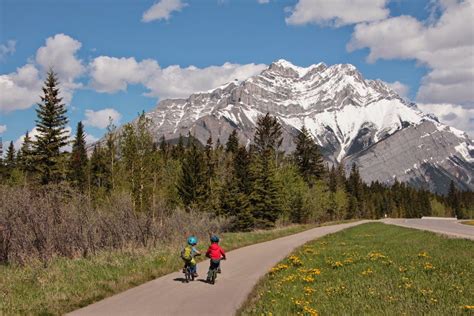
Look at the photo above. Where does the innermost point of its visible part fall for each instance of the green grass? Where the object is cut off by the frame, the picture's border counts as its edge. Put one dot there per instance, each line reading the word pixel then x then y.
pixel 67 284
pixel 373 269
pixel 468 223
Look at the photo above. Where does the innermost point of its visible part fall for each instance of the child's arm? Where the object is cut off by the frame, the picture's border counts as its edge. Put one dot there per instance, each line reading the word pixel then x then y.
pixel 196 252
pixel 223 253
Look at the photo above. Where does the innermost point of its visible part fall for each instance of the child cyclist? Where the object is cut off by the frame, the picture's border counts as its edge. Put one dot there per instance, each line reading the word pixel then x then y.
pixel 215 253
pixel 188 254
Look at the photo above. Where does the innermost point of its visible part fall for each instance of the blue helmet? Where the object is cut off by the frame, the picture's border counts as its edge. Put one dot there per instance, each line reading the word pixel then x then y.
pixel 192 241
pixel 214 238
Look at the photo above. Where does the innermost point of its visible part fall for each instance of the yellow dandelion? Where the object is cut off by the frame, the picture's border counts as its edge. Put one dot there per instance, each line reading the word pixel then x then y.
pixel 428 266
pixel 367 272
pixel 423 254
pixel 336 264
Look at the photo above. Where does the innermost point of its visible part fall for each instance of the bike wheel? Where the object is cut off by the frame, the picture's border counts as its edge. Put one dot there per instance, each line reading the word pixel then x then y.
pixel 214 276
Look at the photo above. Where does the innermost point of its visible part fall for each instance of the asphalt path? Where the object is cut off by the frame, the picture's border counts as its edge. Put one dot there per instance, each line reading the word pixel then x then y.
pixel 450 228
pixel 168 295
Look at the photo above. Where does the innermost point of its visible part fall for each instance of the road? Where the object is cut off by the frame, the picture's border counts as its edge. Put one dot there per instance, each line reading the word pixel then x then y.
pixel 167 295
pixel 446 227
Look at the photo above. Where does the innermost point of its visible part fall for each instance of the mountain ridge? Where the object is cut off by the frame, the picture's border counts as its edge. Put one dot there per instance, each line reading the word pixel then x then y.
pixel 346 114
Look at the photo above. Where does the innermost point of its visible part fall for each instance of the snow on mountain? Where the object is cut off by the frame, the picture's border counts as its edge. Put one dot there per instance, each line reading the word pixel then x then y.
pixel 346 114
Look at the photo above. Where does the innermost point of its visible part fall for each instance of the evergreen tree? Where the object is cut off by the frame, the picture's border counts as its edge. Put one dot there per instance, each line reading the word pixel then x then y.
pixel 308 157
pixel 268 134
pixel 164 148
pixel 355 190
pixel 99 173
pixel 178 150
pixel 25 156
pixel 10 160
pixel 52 135
pixel 192 182
pixel 232 144
pixel 111 153
pixel 264 197
pixel 78 160
pixel 454 200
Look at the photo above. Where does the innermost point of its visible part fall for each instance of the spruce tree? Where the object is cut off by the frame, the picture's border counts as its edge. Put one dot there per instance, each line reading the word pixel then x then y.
pixel 192 182
pixel 355 190
pixel 25 156
pixel 453 200
pixel 308 157
pixel 10 159
pixel 178 150
pixel 264 197
pixel 78 160
pixel 99 173
pixel 268 134
pixel 232 144
pixel 52 135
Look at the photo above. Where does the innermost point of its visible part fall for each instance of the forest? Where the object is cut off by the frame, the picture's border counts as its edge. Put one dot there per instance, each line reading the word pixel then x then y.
pixel 127 189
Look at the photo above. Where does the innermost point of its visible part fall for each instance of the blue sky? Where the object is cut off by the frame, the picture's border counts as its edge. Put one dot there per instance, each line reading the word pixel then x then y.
pixel 118 58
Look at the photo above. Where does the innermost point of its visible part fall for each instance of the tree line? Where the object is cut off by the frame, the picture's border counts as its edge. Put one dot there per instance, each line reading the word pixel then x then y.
pixel 256 186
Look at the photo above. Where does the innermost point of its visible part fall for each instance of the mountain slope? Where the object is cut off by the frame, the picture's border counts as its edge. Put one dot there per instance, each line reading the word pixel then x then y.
pixel 354 120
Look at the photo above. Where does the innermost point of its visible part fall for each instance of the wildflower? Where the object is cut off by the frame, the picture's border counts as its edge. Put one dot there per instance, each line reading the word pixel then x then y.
pixel 423 254
pixel 295 260
pixel 279 267
pixel 311 311
pixel 402 269
pixel 314 271
pixel 308 290
pixel 428 266
pixel 348 260
pixel 367 272
pixel 336 264
pixel 308 279
pixel 468 307
pixel 373 256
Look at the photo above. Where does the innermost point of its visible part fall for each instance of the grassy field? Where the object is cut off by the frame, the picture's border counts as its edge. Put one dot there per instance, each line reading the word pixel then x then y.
pixel 468 223
pixel 66 284
pixel 373 269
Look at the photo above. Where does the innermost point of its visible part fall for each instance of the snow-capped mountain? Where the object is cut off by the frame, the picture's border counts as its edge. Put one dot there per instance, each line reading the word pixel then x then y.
pixel 353 119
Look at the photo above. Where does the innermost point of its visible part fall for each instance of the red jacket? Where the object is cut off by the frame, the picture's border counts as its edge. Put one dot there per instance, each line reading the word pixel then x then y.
pixel 215 252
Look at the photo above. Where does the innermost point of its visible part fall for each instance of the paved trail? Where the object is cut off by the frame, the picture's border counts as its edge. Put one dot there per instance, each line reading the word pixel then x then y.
pixel 447 227
pixel 169 296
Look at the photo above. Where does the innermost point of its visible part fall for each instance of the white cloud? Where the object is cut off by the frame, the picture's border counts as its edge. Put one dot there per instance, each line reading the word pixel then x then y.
pixel 101 118
pixel 445 46
pixel 60 54
pixel 22 89
pixel 177 82
pixel 263 1
pixel 337 12
pixel 7 49
pixel 3 129
pixel 400 88
pixel 162 10
pixel 451 114
pixel 110 74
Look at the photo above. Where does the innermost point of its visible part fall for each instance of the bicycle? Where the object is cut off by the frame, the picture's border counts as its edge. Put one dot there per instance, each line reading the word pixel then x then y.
pixel 188 274
pixel 214 269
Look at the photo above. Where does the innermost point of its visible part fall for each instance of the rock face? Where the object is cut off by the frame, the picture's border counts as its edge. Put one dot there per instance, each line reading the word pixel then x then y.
pixel 354 120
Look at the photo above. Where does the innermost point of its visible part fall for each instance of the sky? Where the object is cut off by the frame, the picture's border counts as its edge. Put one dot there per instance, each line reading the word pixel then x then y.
pixel 117 58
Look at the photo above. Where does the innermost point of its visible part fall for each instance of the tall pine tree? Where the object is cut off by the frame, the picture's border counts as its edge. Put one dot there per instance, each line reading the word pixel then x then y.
pixel 308 157
pixel 192 182
pixel 264 196
pixel 232 144
pixel 78 160
pixel 52 134
pixel 25 157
